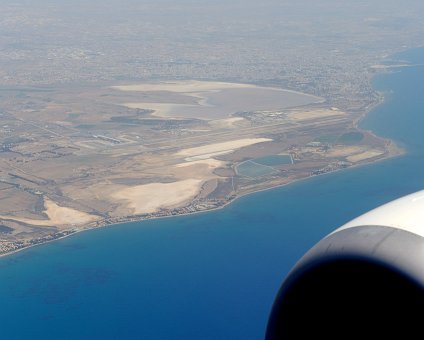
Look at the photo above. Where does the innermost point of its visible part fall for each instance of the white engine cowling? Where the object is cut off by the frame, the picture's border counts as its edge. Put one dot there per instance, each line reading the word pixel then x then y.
pixel 365 278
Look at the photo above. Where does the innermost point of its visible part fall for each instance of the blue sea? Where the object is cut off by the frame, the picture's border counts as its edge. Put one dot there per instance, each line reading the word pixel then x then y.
pixel 211 275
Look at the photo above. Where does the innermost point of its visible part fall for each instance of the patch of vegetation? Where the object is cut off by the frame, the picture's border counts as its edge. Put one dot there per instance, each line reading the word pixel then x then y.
pixel 351 138
pixel 74 115
pixel 327 139
pixel 124 120
pixel 274 160
pixel 15 140
pixel 85 126
pixel 5 230
pixel 252 169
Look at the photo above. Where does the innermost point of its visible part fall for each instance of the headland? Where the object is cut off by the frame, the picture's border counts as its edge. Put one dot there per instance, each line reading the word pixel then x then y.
pixel 92 156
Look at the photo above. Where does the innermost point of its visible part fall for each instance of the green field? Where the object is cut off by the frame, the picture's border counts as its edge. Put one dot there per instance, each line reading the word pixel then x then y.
pixel 85 126
pixel 327 138
pixel 350 138
pixel 274 160
pixel 252 169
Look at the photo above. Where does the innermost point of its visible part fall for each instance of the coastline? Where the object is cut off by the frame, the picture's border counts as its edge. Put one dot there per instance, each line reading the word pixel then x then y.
pixel 392 149
pixel 195 207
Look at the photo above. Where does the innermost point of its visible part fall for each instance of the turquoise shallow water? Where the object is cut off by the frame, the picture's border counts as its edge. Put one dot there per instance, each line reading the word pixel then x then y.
pixel 212 275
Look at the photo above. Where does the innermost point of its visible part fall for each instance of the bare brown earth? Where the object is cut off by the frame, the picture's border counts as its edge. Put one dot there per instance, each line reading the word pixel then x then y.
pixel 78 158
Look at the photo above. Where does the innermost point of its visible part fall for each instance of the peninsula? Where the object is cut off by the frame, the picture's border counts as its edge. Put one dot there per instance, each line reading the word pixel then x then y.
pixel 75 158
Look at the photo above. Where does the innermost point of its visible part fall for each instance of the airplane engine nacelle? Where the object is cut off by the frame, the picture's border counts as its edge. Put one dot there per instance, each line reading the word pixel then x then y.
pixel 365 278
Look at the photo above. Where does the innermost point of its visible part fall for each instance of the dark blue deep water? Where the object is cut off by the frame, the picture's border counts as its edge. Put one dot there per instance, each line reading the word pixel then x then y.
pixel 212 275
